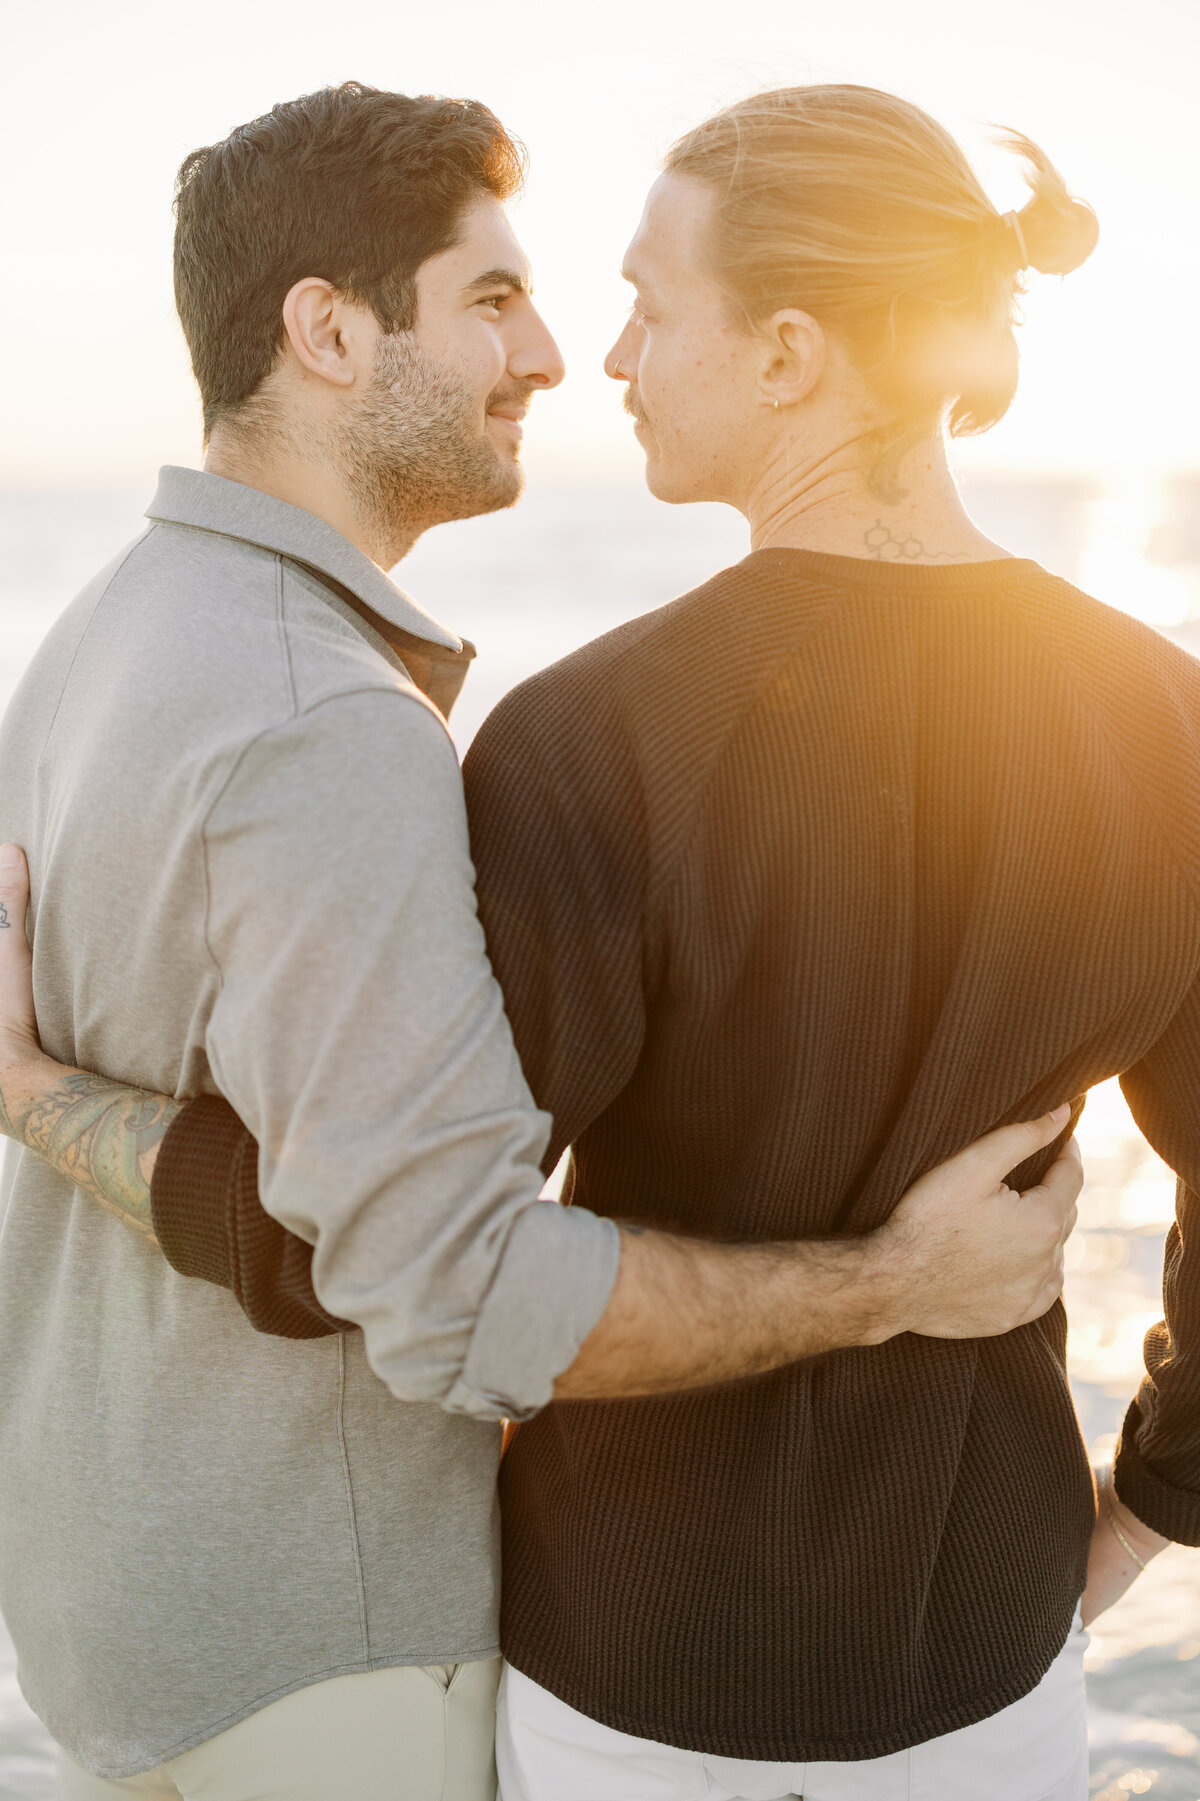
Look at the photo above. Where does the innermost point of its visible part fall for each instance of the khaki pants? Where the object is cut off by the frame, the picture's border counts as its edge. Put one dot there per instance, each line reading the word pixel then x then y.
pixel 406 1734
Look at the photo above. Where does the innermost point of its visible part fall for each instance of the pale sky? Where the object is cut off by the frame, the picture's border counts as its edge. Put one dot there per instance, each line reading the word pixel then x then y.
pixel 103 101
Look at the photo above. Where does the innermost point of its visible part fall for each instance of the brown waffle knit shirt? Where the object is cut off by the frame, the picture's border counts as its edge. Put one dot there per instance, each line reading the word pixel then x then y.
pixel 794 887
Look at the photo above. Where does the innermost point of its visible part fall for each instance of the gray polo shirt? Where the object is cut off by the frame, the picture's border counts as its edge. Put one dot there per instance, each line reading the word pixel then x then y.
pixel 250 872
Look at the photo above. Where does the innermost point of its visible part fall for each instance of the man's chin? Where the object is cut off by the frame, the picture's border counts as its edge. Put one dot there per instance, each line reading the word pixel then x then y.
pixel 507 489
pixel 662 485
pixel 493 496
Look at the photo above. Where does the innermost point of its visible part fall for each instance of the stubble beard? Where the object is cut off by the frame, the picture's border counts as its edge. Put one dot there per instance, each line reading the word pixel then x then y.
pixel 413 453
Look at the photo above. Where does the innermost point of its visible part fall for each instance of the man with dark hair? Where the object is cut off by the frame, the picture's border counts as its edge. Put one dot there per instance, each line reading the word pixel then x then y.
pixel 385 180
pixel 233 1566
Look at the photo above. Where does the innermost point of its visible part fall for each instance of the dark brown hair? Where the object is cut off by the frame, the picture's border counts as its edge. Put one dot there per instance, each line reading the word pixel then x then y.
pixel 351 183
pixel 857 207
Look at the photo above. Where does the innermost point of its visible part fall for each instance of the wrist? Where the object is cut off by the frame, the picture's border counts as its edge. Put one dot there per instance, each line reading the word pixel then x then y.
pixel 880 1294
pixel 27 1075
pixel 1145 1540
pixel 22 1058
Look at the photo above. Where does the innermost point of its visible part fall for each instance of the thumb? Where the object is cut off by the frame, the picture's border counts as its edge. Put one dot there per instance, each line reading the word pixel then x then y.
pixel 1000 1151
pixel 16 963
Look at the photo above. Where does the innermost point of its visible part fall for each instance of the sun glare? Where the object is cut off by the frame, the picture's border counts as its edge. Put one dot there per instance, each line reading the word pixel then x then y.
pixel 1115 567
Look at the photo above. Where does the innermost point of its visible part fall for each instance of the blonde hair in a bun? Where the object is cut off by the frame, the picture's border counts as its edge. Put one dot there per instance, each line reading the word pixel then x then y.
pixel 856 206
pixel 1059 232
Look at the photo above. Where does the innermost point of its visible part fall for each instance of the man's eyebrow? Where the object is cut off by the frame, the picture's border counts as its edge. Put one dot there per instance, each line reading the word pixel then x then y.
pixel 500 278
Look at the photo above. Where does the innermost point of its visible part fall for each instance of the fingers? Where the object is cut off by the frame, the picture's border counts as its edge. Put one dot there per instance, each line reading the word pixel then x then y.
pixel 999 1151
pixel 1054 1205
pixel 16 964
pixel 14 883
pixel 1062 1183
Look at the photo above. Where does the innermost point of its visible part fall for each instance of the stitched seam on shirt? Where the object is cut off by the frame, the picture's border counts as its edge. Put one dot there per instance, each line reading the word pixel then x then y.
pixel 765 686
pixel 788 653
pixel 233 1218
pixel 919 1630
pixel 402 694
pixel 100 599
pixel 355 1544
pixel 284 646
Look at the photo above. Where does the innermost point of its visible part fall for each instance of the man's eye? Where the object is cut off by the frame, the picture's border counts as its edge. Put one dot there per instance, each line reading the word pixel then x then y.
pixel 492 299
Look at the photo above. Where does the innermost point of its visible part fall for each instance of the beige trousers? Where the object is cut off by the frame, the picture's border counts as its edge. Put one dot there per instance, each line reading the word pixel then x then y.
pixel 406 1734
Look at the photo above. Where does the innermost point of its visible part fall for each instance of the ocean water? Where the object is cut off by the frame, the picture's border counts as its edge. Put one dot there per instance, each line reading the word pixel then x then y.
pixel 574 560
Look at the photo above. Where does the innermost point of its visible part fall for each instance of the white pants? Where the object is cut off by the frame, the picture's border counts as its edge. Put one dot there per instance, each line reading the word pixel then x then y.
pixel 406 1734
pixel 1035 1750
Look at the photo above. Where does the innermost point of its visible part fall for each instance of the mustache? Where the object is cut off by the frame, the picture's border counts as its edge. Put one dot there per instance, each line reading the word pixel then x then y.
pixel 633 405
pixel 515 394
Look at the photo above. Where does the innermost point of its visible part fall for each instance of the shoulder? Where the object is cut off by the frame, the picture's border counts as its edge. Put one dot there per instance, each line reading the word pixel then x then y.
pixel 376 735
pixel 1121 698
pixel 241 634
pixel 369 776
pixel 622 738
pixel 668 678
pixel 1139 675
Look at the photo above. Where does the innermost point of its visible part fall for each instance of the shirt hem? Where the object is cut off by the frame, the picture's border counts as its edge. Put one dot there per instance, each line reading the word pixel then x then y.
pixel 151 1760
pixel 952 1717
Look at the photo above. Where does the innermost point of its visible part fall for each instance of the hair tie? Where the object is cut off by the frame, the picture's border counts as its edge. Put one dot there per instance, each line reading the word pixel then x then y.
pixel 1013 220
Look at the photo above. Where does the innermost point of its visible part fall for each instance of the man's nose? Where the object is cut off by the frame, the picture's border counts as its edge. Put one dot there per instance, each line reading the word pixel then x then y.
pixel 537 358
pixel 621 361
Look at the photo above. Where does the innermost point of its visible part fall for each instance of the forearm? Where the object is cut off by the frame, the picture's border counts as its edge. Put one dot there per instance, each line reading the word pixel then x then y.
pixel 960 1257
pixel 102 1136
pixel 686 1314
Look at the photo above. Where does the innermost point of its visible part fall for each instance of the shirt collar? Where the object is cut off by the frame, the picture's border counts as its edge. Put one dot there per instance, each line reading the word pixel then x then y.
pixel 213 504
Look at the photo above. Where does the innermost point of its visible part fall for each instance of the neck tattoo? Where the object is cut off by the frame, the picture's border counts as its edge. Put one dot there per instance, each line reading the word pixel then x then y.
pixel 883 546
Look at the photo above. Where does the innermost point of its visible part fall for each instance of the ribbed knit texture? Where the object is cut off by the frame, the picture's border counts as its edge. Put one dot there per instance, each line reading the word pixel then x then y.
pixel 794 887
pixel 208 1220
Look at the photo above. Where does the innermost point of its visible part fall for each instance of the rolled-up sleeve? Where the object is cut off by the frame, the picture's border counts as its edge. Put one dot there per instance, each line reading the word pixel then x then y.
pixel 1157 1466
pixel 360 1034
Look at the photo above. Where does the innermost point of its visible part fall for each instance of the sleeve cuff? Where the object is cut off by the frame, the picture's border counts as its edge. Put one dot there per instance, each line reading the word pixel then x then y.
pixel 551 1287
pixel 188 1193
pixel 211 1225
pixel 1159 1504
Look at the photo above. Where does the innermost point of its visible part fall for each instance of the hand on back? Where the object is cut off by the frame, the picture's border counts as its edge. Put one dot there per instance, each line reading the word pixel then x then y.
pixel 969 1257
pixel 962 1256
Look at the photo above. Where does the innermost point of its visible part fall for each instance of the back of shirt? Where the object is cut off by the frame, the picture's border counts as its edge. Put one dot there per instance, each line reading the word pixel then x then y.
pixel 794 888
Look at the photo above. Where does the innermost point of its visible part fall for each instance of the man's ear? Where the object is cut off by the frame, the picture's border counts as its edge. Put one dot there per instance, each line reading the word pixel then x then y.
pixel 329 336
pixel 793 357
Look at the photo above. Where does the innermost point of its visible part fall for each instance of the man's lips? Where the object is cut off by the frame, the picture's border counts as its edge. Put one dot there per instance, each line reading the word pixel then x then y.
pixel 511 416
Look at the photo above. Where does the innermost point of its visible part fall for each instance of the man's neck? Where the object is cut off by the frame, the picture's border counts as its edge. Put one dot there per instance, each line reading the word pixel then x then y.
pixel 841 504
pixel 306 481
